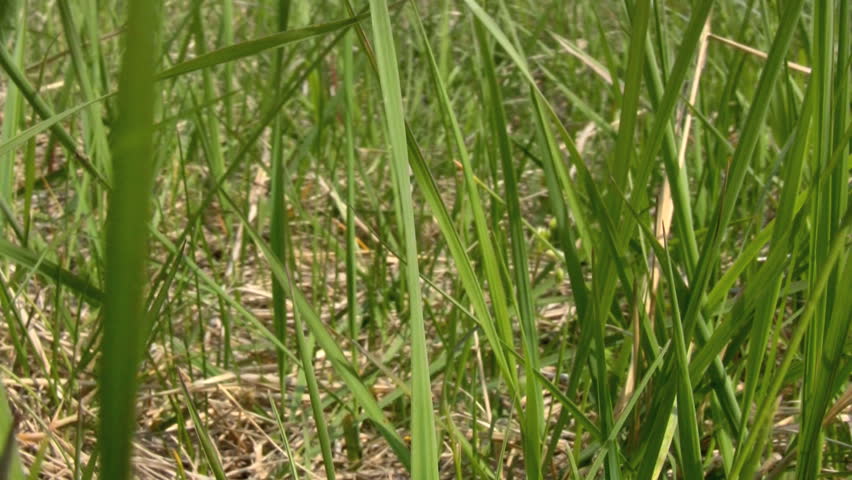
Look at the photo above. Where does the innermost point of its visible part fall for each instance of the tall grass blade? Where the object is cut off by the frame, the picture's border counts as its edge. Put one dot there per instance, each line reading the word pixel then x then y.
pixel 253 47
pixel 207 446
pixel 534 412
pixel 127 241
pixel 13 103
pixel 50 270
pixel 10 462
pixel 497 328
pixel 278 215
pixel 825 334
pixel 424 445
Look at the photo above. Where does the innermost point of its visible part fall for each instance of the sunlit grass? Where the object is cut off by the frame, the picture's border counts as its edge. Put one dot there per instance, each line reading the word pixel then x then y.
pixel 455 239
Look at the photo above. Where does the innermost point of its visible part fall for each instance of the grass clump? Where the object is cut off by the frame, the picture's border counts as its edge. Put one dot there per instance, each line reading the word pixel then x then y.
pixel 499 239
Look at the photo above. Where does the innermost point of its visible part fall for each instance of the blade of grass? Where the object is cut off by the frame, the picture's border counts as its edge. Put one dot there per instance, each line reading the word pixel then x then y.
pixel 279 210
pixel 351 427
pixel 96 138
pixel 828 206
pixel 12 105
pixel 127 241
pixel 207 446
pixel 466 273
pixel 291 461
pixel 424 442
pixel 533 414
pixel 687 423
pixel 253 47
pixel 10 462
pixel 50 270
pixel 307 356
pixel 283 248
pixel 499 333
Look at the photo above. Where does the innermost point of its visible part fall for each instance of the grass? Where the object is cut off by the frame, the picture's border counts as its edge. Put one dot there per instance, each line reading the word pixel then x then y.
pixel 124 322
pixel 455 239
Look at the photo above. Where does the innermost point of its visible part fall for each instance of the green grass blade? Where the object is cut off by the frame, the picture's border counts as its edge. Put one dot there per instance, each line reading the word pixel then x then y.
pixel 502 335
pixel 23 137
pixel 10 462
pixel 12 105
pixel 278 215
pixel 352 309
pixel 534 412
pixel 424 442
pixel 822 344
pixel 306 354
pixel 127 241
pixel 207 446
pixel 687 423
pixel 282 248
pixel 51 271
pixel 96 137
pixel 499 333
pixel 291 461
pixel 253 47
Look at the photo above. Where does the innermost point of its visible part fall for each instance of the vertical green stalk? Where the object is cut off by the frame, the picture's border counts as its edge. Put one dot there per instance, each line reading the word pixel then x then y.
pixel 279 211
pixel 228 78
pixel 281 245
pixel 827 208
pixel 124 326
pixel 306 355
pixel 351 266
pixel 533 418
pixel 424 441
pixel 10 462
pixel 210 124
pixel 687 424
pixel 13 104
pixel 618 168
pixel 498 329
pixel 96 139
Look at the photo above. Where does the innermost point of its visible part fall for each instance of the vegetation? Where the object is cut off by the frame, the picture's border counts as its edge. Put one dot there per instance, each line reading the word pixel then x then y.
pixel 428 239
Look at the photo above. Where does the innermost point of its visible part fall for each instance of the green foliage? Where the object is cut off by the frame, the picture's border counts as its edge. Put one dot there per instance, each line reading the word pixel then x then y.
pixel 126 252
pixel 490 239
